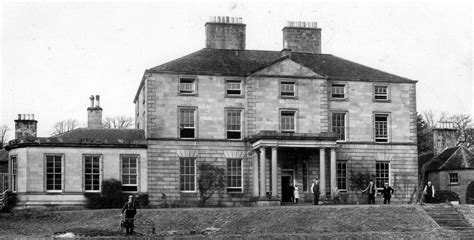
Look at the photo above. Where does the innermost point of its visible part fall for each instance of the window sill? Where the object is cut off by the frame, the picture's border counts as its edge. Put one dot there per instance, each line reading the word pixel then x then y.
pixel 234 96
pixel 236 193
pixel 454 184
pixel 388 142
pixel 288 97
pixel 340 99
pixel 382 101
pixel 188 94
pixel 54 192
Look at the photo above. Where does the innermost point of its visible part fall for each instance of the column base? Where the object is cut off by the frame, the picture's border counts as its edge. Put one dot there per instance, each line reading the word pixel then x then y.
pixel 264 201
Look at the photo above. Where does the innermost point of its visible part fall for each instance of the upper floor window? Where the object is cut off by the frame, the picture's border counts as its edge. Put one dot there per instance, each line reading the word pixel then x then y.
pixel 234 124
pixel 187 124
pixel 54 172
pixel 234 175
pixel 129 173
pixel 187 86
pixel 92 173
pixel 381 127
pixel 381 93
pixel 338 91
pixel 13 173
pixel 339 124
pixel 187 174
pixel 287 121
pixel 233 87
pixel 287 89
pixel 453 178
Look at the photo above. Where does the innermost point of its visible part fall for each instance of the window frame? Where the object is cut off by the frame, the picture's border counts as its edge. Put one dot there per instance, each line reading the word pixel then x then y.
pixel 295 88
pixel 181 174
pixel 451 176
pixel 137 157
pixel 195 109
pixel 295 117
pixel 227 110
pixel 374 93
pixel 388 123
pixel 228 172
pixel 241 84
pixel 382 179
pixel 344 87
pixel 13 181
pixel 345 177
pixel 84 172
pixel 346 134
pixel 62 156
pixel 194 92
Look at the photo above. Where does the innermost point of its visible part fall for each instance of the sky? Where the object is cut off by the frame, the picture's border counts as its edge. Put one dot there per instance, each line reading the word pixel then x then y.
pixel 54 55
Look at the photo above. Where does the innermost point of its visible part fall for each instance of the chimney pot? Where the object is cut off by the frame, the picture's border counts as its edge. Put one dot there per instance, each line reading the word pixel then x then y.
pixel 19 116
pixel 97 97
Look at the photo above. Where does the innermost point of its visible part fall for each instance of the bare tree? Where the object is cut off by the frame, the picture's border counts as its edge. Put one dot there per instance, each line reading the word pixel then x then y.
pixel 118 122
pixel 463 125
pixel 64 126
pixel 3 135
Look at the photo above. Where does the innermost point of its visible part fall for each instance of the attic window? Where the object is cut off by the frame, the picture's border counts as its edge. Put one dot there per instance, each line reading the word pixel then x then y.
pixel 187 86
pixel 287 89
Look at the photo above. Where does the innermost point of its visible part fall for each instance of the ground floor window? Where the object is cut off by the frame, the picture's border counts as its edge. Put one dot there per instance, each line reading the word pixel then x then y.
pixel 234 175
pixel 341 175
pixel 54 173
pixel 453 178
pixel 129 173
pixel 381 173
pixel 92 173
pixel 187 174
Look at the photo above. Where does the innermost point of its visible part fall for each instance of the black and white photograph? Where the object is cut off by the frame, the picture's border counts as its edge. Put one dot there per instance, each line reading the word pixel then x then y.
pixel 236 119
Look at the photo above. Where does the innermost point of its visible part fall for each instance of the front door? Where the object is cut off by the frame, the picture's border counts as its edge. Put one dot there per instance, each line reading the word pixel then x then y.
pixel 286 180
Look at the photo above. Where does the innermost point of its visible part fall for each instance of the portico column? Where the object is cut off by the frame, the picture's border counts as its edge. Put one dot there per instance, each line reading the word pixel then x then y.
pixel 262 172
pixel 255 174
pixel 333 169
pixel 274 172
pixel 322 172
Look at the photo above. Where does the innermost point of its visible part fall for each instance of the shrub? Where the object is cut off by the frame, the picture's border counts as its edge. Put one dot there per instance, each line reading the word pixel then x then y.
pixel 442 196
pixel 211 180
pixel 10 200
pixel 470 193
pixel 112 195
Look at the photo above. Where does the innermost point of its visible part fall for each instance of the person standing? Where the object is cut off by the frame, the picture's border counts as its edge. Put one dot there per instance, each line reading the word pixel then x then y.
pixel 315 191
pixel 335 195
pixel 297 193
pixel 371 191
pixel 387 192
pixel 129 210
pixel 429 192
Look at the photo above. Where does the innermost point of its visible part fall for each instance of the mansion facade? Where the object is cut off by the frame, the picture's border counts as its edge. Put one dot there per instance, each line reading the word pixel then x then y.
pixel 274 118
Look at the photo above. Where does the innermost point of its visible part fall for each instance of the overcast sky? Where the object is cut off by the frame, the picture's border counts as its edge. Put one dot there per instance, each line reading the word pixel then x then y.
pixel 55 55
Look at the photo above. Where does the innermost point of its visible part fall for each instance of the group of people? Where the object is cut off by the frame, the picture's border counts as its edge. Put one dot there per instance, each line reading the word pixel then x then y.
pixel 293 192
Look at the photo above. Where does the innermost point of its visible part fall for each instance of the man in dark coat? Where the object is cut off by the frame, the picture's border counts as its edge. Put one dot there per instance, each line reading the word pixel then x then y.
pixel 387 192
pixel 371 190
pixel 291 192
pixel 315 191
pixel 129 210
pixel 429 192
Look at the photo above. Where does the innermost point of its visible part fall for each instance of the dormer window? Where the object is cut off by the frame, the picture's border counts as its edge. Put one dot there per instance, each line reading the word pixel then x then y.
pixel 187 86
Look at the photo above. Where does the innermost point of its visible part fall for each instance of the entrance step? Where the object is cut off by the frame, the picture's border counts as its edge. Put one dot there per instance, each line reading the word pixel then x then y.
pixel 448 217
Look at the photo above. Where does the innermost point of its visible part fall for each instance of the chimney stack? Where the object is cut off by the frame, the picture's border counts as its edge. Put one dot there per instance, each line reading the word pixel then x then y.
pixel 304 37
pixel 25 126
pixel 94 113
pixel 225 33
pixel 444 136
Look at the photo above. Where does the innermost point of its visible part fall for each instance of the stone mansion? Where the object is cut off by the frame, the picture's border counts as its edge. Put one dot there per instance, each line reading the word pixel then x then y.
pixel 274 118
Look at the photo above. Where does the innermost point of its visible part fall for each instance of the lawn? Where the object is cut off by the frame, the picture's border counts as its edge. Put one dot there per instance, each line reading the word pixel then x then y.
pixel 362 221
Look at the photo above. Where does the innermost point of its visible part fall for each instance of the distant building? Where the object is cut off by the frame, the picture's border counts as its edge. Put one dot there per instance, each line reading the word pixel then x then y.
pixel 449 167
pixel 274 118
pixel 58 170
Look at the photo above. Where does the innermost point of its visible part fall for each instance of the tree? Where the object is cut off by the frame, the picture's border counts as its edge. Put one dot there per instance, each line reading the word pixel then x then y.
pixel 118 122
pixel 359 181
pixel 64 126
pixel 424 135
pixel 3 135
pixel 211 180
pixel 463 125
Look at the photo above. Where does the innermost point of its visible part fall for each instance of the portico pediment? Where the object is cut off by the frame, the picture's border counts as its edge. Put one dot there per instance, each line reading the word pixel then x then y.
pixel 287 67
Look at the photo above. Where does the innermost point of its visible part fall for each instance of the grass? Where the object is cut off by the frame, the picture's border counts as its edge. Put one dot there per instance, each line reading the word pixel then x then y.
pixel 332 221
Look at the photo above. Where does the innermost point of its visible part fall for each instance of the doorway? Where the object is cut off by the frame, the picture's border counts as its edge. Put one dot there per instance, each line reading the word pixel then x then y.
pixel 286 180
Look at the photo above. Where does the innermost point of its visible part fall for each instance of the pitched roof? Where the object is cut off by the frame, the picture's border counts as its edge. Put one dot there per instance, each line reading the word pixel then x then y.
pixel 3 155
pixel 244 62
pixel 462 158
pixel 103 133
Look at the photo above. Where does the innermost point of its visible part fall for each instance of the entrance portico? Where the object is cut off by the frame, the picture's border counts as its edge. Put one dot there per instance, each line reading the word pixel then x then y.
pixel 265 178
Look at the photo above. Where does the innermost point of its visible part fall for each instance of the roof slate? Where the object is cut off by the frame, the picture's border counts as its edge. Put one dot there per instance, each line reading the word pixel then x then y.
pixel 452 159
pixel 244 62
pixel 103 133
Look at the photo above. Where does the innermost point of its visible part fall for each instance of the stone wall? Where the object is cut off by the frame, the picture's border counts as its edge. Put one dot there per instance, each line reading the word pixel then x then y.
pixel 440 181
